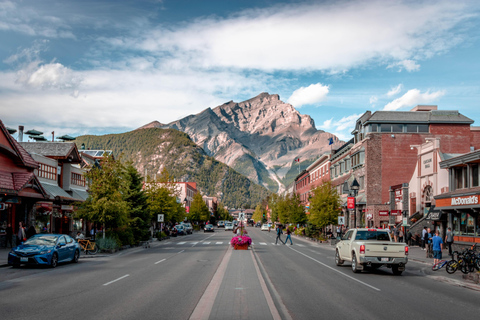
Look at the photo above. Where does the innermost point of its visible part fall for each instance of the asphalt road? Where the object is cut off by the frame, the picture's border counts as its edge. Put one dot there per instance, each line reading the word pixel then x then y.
pixel 168 280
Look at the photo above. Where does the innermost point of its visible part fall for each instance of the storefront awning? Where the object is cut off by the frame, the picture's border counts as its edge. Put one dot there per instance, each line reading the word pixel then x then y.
pixel 79 195
pixel 434 214
pixel 55 191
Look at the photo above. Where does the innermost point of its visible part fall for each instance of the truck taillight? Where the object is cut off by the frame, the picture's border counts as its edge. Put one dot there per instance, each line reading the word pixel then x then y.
pixel 362 249
pixel 406 250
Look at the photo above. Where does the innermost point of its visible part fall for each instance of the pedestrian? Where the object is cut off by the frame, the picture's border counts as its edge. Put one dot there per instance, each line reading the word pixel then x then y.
pixel 288 236
pixel 31 231
pixel 79 236
pixel 21 236
pixel 437 247
pixel 424 237
pixel 428 240
pixel 400 235
pixel 279 232
pixel 449 240
pixel 9 235
pixel 339 231
pixel 396 233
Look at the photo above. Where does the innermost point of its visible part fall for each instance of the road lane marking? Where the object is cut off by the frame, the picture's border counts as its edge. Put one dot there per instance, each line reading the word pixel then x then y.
pixel 300 245
pixel 218 242
pixel 263 243
pixel 160 261
pixel 183 242
pixel 106 284
pixel 181 251
pixel 333 269
pixel 206 242
pixel 205 305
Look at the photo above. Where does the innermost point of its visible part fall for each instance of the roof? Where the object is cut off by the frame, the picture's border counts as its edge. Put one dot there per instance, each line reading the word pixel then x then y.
pixel 55 191
pixel 57 150
pixel 15 182
pixel 17 150
pixel 79 195
pixel 434 116
pixel 455 160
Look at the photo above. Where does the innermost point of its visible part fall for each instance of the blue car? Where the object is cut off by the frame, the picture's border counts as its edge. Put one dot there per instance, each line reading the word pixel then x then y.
pixel 45 249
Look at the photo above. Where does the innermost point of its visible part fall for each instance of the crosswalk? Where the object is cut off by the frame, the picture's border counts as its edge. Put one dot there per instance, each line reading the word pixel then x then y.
pixel 192 243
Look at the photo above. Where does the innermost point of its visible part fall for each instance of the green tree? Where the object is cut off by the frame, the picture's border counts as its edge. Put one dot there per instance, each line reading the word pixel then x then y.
pixel 198 209
pixel 324 205
pixel 108 187
pixel 273 203
pixel 137 200
pixel 260 213
pixel 297 212
pixel 222 213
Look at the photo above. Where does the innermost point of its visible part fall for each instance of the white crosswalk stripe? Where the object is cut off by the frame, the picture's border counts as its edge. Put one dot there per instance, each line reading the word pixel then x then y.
pixel 218 242
pixel 206 242
pixel 300 245
pixel 181 243
pixel 263 243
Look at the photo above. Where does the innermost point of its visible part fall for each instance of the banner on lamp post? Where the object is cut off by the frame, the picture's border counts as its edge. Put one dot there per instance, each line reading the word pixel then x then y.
pixel 351 203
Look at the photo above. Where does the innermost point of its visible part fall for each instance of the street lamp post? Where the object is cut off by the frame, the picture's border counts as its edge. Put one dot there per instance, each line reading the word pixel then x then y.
pixel 354 187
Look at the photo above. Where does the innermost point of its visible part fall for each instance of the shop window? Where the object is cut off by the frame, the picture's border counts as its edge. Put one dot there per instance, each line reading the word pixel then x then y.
pixel 465 224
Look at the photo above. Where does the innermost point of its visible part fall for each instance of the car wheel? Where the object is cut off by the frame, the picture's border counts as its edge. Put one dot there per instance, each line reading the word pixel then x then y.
pixel 396 271
pixel 76 256
pixel 54 261
pixel 338 261
pixel 354 263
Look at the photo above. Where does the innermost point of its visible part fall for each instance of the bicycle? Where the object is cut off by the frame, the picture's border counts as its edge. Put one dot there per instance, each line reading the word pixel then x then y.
pixel 439 265
pixel 88 246
pixel 466 261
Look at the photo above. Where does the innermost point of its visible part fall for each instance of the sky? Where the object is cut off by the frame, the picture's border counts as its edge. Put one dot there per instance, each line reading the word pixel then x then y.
pixel 96 67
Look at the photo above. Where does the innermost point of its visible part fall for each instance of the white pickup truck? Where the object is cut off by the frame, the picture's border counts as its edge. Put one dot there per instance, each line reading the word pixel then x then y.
pixel 371 248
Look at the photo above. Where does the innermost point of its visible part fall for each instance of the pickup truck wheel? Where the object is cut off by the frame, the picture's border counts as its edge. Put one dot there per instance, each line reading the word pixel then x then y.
pixel 338 261
pixel 396 271
pixel 354 263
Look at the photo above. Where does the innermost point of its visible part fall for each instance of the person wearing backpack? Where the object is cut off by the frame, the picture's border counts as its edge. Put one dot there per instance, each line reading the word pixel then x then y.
pixel 279 233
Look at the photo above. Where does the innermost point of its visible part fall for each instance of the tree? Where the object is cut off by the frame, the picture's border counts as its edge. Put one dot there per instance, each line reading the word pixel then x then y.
pixel 137 200
pixel 273 202
pixel 222 213
pixel 324 205
pixel 297 212
pixel 106 202
pixel 198 209
pixel 260 213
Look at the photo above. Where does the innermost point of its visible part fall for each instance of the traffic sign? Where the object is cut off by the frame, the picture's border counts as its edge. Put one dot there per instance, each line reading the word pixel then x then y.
pixel 341 220
pixel 160 217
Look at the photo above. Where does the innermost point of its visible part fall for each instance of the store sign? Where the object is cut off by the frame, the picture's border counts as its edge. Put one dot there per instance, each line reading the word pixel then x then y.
pixel 351 203
pixel 461 201
pixel 398 195
pixel 369 216
pixel 67 208
pixel 396 212
pixel 383 213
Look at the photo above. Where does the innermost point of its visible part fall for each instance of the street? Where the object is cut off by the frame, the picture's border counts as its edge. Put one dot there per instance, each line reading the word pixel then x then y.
pixel 169 280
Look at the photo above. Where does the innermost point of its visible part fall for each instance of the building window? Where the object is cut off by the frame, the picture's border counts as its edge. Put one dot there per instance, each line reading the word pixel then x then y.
pixel 385 127
pixel 397 127
pixel 78 179
pixel 374 127
pixel 475 175
pixel 464 224
pixel 47 172
pixel 460 176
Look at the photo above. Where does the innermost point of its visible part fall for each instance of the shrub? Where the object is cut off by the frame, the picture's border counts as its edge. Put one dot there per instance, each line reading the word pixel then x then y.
pixel 109 243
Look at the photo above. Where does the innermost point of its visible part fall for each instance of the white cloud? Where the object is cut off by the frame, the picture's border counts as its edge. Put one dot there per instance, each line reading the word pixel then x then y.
pixel 327 124
pixel 313 36
pixel 345 123
pixel 395 90
pixel 312 94
pixel 412 98
pixel 373 100
pixel 409 65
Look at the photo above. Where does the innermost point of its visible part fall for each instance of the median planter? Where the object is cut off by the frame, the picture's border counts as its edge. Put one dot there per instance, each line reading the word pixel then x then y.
pixel 241 247
pixel 241 242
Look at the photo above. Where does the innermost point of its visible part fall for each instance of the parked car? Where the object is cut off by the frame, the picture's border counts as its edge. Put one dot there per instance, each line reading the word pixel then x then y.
pixel 188 227
pixel 229 226
pixel 258 225
pixel 181 231
pixel 209 228
pixel 45 249
pixel 264 227
pixel 221 224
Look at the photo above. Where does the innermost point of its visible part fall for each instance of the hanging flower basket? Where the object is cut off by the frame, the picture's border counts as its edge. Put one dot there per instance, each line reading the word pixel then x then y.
pixel 241 242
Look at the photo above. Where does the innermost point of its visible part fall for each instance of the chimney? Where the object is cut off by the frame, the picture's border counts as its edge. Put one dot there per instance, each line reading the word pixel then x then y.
pixel 20 133
pixel 53 136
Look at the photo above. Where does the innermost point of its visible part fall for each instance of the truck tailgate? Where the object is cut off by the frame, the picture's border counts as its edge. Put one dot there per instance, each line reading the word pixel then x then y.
pixel 387 249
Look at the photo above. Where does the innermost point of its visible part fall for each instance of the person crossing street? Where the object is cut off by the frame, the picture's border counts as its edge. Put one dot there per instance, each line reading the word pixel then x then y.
pixel 289 233
pixel 279 233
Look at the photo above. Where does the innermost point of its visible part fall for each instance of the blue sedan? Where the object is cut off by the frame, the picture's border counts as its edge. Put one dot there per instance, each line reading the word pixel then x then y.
pixel 45 249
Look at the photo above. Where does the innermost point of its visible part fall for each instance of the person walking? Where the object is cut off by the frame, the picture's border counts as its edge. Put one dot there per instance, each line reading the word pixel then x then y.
pixel 428 241
pixel 396 233
pixel 449 240
pixel 9 234
pixel 437 247
pixel 21 236
pixel 424 237
pixel 279 232
pixel 288 236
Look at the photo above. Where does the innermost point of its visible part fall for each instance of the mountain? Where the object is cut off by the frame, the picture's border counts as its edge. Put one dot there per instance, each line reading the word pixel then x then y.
pixel 152 149
pixel 260 138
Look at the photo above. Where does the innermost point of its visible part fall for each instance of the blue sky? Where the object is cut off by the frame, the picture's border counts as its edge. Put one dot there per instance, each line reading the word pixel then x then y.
pixel 97 67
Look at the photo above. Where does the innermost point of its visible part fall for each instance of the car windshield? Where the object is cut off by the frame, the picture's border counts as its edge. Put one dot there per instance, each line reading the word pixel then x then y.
pixel 179 227
pixel 372 235
pixel 228 223
pixel 41 240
